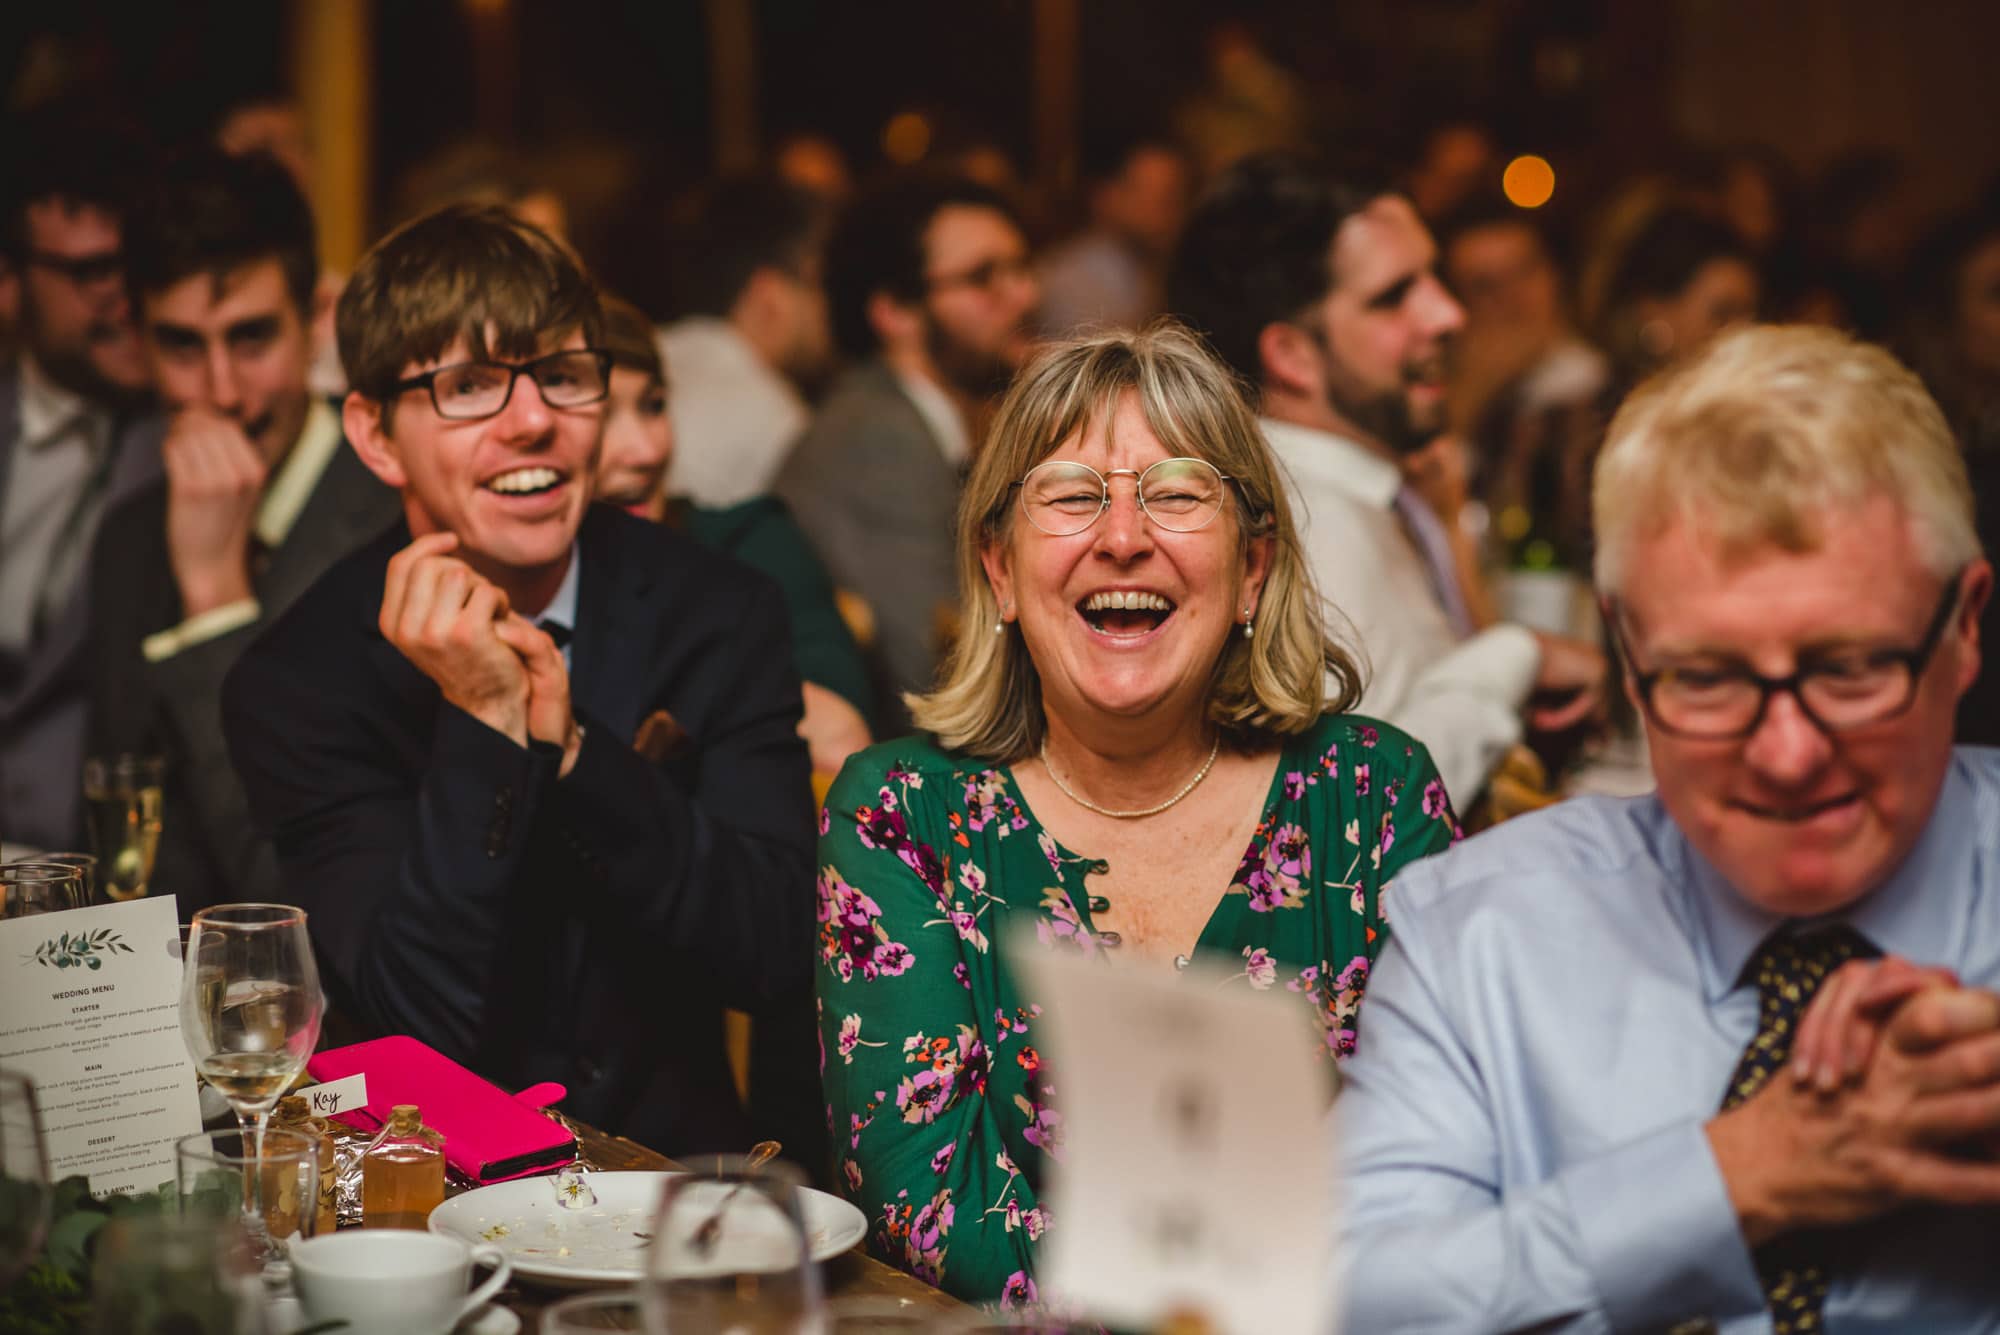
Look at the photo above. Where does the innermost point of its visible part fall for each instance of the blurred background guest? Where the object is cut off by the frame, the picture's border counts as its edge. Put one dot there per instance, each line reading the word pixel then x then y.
pixel 1683 278
pixel 1321 292
pixel 641 447
pixel 931 292
pixel 749 284
pixel 1112 275
pixel 261 495
pixel 1138 747
pixel 75 440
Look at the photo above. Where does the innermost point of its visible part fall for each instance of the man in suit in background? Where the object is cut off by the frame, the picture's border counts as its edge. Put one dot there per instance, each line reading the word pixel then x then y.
pixel 258 500
pixel 931 293
pixel 73 441
pixel 550 861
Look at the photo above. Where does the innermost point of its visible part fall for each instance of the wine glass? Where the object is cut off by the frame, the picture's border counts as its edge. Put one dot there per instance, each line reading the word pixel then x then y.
pixel 729 1252
pixel 250 1013
pixel 24 1177
pixel 39 887
pixel 123 796
pixel 86 867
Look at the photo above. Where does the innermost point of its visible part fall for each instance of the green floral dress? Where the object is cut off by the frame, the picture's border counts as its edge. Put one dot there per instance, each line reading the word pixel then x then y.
pixel 941 1113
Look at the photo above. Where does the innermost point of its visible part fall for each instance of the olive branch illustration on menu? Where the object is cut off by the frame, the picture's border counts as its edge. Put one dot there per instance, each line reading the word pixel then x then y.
pixel 79 950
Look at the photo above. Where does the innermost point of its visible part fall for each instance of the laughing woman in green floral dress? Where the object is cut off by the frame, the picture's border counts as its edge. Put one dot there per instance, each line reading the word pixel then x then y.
pixel 1136 756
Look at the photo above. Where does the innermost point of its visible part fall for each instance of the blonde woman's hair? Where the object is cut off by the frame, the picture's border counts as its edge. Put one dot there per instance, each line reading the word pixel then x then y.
pixel 1757 437
pixel 1272 685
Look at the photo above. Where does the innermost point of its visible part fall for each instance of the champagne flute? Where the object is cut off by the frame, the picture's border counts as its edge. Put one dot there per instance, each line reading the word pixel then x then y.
pixel 250 1014
pixel 39 887
pixel 25 1193
pixel 123 798
pixel 751 1272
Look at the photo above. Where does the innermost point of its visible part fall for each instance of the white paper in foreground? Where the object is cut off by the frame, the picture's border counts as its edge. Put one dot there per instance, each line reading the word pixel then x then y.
pixel 102 1044
pixel 1195 1173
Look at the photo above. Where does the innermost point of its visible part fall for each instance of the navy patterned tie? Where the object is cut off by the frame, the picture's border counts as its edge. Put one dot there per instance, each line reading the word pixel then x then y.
pixel 1788 970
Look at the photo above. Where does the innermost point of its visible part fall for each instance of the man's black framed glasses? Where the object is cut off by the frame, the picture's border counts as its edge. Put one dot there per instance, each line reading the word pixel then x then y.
pixel 468 391
pixel 1837 689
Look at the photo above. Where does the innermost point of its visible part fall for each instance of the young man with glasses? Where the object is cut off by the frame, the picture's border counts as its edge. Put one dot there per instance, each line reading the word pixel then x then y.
pixel 1726 1057
pixel 260 497
pixel 530 763
pixel 931 297
pixel 74 440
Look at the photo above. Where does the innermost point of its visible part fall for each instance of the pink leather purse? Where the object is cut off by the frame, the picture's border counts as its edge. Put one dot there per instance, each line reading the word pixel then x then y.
pixel 489 1135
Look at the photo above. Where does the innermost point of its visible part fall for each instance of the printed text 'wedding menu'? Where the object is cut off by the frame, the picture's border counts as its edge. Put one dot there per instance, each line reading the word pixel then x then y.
pixel 90 1011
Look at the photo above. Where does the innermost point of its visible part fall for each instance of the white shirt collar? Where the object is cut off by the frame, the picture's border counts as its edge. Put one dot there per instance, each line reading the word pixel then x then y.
pixel 941 415
pixel 1313 456
pixel 562 607
pixel 48 410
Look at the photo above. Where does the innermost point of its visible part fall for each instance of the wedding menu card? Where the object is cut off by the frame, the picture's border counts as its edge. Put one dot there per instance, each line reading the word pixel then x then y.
pixel 90 1011
pixel 1195 1177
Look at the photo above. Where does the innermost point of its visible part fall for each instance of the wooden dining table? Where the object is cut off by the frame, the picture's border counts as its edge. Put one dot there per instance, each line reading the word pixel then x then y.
pixel 853 1273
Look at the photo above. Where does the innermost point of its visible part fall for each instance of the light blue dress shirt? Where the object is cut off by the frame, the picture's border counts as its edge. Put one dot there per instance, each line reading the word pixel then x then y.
pixel 1556 1016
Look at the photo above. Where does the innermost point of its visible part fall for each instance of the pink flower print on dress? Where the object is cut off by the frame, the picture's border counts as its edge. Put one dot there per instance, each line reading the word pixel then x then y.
pixel 942 1159
pixel 1018 1291
pixel 924 1252
pixel 1279 880
pixel 1295 785
pixel 956 1068
pixel 851 936
pixel 986 801
pixel 1436 806
pixel 1259 967
pixel 1064 923
pixel 1361 784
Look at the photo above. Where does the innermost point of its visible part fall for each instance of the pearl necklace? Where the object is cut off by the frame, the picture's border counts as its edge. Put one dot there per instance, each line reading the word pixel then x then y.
pixel 1089 805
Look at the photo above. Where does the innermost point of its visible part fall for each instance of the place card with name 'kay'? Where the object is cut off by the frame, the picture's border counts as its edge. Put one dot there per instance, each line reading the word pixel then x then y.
pixel 90 1011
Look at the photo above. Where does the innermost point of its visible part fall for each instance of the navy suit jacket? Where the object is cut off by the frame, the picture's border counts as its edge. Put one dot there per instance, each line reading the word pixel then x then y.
pixel 588 929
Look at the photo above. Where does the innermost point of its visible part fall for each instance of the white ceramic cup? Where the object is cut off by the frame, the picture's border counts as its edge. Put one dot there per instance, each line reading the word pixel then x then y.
pixel 391 1281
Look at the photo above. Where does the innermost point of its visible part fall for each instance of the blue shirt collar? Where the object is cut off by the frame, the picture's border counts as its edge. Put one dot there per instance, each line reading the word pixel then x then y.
pixel 562 608
pixel 1916 913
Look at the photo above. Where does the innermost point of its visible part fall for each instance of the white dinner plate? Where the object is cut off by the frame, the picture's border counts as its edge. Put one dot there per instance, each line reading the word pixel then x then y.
pixel 603 1243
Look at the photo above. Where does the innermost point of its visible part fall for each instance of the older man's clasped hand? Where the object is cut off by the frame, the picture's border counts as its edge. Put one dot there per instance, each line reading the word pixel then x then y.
pixel 487 659
pixel 1892 1097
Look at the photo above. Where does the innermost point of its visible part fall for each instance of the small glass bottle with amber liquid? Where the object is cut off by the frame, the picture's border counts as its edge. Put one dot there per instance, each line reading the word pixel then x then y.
pixel 402 1172
pixel 293 1115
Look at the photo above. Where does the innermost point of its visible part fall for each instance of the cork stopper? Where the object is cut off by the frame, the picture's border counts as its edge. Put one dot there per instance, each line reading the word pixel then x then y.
pixel 405 1119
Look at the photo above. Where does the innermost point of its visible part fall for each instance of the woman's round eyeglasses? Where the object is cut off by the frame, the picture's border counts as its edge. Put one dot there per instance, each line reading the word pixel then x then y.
pixel 1181 495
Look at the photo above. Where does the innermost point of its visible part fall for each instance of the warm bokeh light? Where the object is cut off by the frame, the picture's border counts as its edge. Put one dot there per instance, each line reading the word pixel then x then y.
pixel 1529 181
pixel 906 138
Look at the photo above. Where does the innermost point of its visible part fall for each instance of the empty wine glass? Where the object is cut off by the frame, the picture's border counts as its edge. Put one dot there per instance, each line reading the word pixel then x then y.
pixel 24 1177
pixel 39 887
pixel 729 1252
pixel 250 1014
pixel 86 867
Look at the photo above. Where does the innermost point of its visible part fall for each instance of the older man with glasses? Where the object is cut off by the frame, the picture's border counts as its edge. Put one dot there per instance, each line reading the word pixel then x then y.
pixel 1726 1057
pixel 530 763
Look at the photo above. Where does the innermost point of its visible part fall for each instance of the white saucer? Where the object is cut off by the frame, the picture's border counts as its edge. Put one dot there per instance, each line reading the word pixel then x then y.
pixel 287 1317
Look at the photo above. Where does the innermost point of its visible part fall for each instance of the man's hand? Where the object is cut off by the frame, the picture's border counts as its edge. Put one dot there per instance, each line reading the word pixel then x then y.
pixel 1794 1158
pixel 214 480
pixel 1839 1031
pixel 1441 473
pixel 550 718
pixel 1570 684
pixel 443 617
